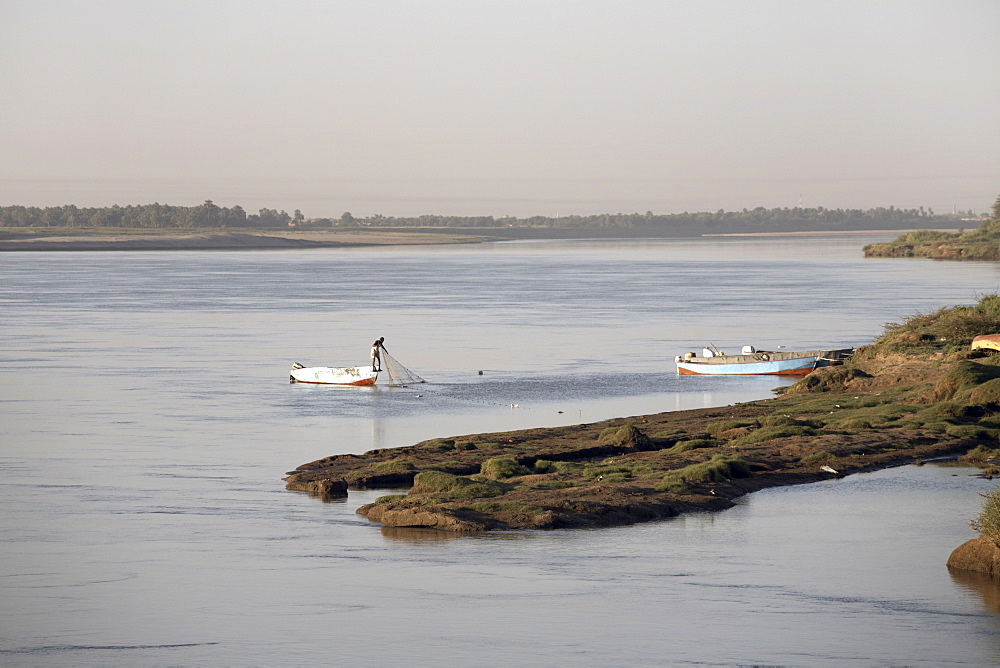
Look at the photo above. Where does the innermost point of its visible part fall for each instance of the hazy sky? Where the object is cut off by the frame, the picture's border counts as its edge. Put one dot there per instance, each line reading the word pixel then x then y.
pixel 508 107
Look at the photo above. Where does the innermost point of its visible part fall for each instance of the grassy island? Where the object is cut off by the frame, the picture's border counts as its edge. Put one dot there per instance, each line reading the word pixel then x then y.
pixel 982 243
pixel 918 392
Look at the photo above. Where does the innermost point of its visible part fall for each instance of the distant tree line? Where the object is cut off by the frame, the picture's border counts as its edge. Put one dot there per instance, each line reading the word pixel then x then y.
pixel 759 219
pixel 209 215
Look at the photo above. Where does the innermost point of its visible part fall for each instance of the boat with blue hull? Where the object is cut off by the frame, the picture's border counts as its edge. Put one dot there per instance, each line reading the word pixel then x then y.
pixel 752 362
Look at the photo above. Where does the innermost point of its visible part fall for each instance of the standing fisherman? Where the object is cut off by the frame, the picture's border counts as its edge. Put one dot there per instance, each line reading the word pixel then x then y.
pixel 377 349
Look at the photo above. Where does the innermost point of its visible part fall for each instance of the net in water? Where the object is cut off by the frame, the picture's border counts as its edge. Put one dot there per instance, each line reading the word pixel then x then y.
pixel 399 375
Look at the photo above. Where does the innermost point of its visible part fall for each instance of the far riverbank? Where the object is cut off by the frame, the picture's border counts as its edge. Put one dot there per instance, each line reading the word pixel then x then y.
pixel 160 240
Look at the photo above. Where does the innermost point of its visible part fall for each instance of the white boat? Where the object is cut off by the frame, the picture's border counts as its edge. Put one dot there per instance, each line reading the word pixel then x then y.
pixel 333 375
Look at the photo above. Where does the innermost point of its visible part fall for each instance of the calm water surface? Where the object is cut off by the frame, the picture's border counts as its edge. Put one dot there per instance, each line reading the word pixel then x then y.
pixel 146 422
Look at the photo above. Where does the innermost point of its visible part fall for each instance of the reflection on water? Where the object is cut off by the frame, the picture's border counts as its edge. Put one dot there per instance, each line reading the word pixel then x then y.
pixel 146 422
pixel 980 584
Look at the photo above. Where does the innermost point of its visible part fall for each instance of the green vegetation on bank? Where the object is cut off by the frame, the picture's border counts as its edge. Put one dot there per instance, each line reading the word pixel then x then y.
pixel 987 523
pixel 983 243
pixel 209 216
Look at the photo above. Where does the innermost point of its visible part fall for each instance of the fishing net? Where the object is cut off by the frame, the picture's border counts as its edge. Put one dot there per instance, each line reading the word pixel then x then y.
pixel 399 375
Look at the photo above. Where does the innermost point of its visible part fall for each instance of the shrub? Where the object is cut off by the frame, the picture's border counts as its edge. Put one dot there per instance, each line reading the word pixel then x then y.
pixel 501 468
pixel 626 435
pixel 957 324
pixel 987 523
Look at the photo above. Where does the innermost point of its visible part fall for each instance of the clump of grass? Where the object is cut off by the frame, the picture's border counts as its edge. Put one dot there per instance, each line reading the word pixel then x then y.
pixel 397 465
pixel 980 454
pixel 963 378
pixel 987 523
pixel 919 237
pixel 566 467
pixel 447 486
pixel 987 393
pixel 771 433
pixel 453 466
pixel 717 469
pixel 673 486
pixel 838 402
pixel 620 471
pixel 778 420
pixel 626 435
pixel 819 457
pixel 668 434
pixel 501 468
pixel 970 431
pixel 991 421
pixel 831 379
pixel 389 498
pixel 850 424
pixel 440 444
pixel 713 428
pixel 864 417
pixel 692 444
pixel 544 466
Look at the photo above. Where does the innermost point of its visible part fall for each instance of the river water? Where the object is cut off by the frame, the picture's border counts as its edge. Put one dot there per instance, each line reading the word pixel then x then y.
pixel 146 422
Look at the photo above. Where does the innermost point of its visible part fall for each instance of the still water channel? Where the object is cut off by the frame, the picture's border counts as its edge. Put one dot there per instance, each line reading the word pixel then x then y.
pixel 146 422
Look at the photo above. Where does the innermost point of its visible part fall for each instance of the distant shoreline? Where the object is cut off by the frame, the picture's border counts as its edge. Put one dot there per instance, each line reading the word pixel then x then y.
pixel 225 241
pixel 278 239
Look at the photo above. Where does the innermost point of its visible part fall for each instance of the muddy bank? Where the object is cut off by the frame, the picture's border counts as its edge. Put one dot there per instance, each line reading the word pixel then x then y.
pixel 882 409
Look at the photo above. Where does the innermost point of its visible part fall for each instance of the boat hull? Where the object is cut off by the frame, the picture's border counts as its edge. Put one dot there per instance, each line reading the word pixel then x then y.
pixel 333 375
pixel 762 363
pixel 794 367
